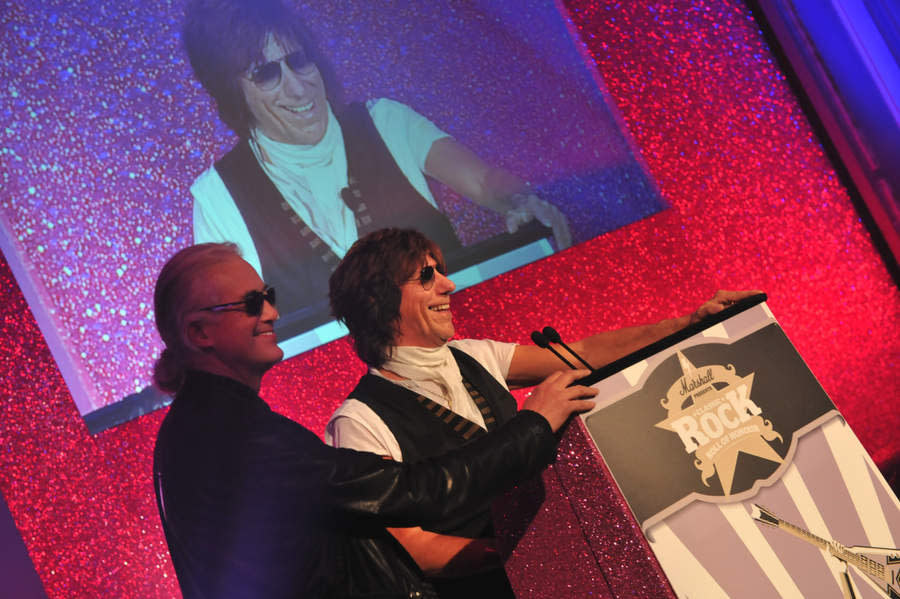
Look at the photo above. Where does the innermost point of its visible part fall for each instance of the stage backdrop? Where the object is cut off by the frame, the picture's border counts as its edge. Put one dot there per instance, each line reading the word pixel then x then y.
pixel 754 204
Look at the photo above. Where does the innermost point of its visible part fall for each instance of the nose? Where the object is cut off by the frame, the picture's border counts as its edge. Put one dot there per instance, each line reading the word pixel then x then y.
pixel 443 283
pixel 269 312
pixel 291 82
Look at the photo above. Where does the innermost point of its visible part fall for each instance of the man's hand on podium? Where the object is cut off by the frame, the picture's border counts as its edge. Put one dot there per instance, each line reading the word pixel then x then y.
pixel 556 400
pixel 721 300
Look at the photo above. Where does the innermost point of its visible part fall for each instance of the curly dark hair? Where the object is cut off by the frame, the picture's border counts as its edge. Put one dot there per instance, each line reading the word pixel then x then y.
pixel 364 290
pixel 223 38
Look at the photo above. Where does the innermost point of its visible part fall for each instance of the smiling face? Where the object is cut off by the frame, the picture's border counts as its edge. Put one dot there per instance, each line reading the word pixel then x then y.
pixel 233 343
pixel 425 319
pixel 295 111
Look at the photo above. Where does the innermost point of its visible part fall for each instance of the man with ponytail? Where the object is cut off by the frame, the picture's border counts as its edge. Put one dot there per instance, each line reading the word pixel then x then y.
pixel 253 504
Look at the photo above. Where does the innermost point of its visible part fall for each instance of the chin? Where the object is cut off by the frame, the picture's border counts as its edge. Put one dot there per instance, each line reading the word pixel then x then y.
pixel 275 356
pixel 307 138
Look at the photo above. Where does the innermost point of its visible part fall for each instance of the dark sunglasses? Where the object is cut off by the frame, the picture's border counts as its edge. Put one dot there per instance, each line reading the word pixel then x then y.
pixel 252 303
pixel 426 276
pixel 268 76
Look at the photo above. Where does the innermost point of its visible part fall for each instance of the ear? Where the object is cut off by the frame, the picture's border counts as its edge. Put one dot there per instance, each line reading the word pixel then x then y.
pixel 196 333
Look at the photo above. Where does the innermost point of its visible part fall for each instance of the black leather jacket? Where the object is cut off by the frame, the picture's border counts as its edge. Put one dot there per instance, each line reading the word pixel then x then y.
pixel 255 505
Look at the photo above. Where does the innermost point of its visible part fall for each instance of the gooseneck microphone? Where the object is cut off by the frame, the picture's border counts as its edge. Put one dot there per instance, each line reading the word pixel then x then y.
pixel 541 341
pixel 551 334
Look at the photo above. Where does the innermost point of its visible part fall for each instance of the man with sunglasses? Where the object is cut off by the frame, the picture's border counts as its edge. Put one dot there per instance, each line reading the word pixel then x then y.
pixel 425 394
pixel 308 175
pixel 252 504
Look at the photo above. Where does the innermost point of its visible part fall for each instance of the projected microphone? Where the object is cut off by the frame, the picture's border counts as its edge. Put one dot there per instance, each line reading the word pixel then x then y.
pixel 541 341
pixel 551 334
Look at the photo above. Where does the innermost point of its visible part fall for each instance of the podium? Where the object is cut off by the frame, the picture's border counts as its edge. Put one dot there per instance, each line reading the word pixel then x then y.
pixel 713 466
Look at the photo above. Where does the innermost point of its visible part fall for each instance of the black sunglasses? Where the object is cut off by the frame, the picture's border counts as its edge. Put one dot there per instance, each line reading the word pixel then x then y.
pixel 426 276
pixel 268 76
pixel 252 303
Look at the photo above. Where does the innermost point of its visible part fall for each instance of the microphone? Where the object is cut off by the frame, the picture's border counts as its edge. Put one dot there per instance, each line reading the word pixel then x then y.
pixel 541 341
pixel 551 334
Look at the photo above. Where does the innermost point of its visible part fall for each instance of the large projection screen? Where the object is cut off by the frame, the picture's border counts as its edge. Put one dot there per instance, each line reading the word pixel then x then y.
pixel 106 129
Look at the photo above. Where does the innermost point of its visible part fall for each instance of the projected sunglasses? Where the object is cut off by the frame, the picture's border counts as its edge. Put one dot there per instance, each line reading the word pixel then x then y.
pixel 252 303
pixel 268 76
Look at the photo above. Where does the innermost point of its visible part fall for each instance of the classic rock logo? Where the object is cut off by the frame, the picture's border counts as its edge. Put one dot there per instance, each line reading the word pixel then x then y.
pixel 711 411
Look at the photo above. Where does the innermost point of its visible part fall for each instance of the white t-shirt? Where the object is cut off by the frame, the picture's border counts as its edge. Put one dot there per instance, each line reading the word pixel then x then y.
pixel 407 134
pixel 356 426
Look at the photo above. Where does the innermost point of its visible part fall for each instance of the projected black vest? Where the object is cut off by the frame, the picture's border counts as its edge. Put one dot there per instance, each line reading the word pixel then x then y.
pixel 294 259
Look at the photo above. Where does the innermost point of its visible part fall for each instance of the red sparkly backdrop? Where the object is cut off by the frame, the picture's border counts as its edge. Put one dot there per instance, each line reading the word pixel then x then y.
pixel 755 204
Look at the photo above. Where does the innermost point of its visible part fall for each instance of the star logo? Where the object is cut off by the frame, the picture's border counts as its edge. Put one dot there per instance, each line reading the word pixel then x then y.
pixel 711 412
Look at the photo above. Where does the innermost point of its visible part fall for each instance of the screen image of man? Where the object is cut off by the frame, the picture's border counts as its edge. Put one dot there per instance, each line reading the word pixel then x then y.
pixel 252 504
pixel 309 174
pixel 425 394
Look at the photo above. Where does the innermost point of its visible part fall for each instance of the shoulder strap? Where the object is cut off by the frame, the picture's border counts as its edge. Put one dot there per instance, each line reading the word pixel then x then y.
pixel 421 426
pixel 492 398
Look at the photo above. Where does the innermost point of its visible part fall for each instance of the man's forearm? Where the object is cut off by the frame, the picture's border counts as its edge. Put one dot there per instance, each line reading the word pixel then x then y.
pixel 606 347
pixel 447 556
pixel 531 364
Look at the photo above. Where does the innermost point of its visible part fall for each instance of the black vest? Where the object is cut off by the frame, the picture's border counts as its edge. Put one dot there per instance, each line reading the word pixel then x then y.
pixel 421 434
pixel 294 259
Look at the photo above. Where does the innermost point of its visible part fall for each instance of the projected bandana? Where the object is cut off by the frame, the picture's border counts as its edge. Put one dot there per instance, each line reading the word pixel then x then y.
pixel 108 137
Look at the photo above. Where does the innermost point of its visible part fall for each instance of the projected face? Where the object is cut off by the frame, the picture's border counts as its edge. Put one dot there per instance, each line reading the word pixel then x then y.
pixel 425 318
pixel 286 96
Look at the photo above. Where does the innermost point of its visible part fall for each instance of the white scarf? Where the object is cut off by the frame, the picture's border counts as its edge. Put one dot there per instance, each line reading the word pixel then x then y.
pixel 433 372
pixel 310 178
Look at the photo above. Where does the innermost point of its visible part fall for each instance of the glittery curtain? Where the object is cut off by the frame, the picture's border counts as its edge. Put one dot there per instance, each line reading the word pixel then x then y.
pixel 754 204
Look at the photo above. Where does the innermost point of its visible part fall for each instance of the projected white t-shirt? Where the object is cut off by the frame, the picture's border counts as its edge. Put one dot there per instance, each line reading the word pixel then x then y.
pixel 408 136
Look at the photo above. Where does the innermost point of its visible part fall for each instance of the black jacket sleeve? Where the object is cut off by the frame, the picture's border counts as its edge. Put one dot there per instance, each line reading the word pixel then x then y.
pixel 401 494
pixel 350 484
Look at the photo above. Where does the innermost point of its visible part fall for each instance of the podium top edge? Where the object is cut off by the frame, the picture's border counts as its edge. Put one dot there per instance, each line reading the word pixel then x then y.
pixel 670 340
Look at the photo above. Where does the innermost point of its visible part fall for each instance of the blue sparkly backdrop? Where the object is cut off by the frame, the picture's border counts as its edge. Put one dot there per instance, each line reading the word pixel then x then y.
pixel 105 129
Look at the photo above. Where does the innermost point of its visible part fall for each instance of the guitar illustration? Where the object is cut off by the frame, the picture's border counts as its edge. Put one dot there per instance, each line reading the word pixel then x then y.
pixel 880 565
